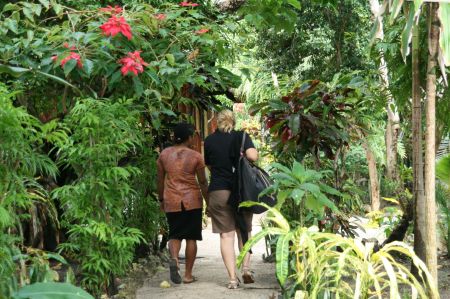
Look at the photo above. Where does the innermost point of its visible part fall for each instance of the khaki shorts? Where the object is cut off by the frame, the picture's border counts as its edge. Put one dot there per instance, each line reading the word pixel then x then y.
pixel 222 215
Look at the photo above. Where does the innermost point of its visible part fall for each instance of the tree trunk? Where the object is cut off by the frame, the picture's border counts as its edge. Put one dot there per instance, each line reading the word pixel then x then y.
pixel 393 124
pixel 430 139
pixel 373 177
pixel 392 127
pixel 417 155
pixel 392 132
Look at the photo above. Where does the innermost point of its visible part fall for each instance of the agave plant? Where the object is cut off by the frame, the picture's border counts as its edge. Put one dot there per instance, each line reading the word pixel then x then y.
pixel 312 264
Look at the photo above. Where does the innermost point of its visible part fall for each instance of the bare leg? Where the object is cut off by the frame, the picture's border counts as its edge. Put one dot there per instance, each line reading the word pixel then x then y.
pixel 191 253
pixel 228 254
pixel 174 249
pixel 246 261
pixel 174 265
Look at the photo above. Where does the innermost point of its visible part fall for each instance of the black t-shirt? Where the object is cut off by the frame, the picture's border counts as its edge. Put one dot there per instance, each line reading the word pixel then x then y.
pixel 221 152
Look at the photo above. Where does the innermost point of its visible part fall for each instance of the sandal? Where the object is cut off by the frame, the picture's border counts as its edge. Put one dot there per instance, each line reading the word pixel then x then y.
pixel 233 284
pixel 175 276
pixel 247 277
pixel 194 279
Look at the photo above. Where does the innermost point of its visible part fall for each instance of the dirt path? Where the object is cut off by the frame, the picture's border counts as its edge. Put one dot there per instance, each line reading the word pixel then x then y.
pixel 212 276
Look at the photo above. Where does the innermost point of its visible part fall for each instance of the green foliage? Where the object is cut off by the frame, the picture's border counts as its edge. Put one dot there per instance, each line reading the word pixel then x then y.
pixel 277 14
pixel 103 133
pixel 177 53
pixel 316 117
pixel 52 290
pixel 323 265
pixel 301 188
pixel 324 39
pixel 21 164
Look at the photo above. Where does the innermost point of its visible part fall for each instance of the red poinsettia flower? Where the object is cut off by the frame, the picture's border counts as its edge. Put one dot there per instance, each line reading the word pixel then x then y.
pixel 72 55
pixel 132 63
pixel 112 10
pixel 114 25
pixel 202 31
pixel 160 17
pixel 188 4
pixel 67 46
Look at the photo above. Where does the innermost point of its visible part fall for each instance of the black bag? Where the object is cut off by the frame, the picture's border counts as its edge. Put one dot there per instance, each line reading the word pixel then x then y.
pixel 252 181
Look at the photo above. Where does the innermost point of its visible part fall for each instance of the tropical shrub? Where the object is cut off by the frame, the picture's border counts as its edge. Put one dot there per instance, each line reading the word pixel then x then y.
pixel 301 195
pixel 103 133
pixel 312 264
pixel 170 51
pixel 21 166
pixel 315 118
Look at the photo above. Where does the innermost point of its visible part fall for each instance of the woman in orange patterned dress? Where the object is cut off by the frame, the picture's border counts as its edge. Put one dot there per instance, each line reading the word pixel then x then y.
pixel 181 184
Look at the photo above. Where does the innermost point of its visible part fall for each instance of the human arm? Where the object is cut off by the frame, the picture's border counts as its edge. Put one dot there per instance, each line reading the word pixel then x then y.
pixel 250 151
pixel 203 183
pixel 251 154
pixel 161 174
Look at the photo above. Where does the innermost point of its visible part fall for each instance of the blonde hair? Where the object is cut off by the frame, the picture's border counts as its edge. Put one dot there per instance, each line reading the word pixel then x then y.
pixel 225 121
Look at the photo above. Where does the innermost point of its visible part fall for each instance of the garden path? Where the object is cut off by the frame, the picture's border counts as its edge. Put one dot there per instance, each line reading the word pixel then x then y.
pixel 212 276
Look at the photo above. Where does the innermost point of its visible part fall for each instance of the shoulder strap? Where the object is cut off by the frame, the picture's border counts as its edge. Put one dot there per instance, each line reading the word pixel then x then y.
pixel 243 143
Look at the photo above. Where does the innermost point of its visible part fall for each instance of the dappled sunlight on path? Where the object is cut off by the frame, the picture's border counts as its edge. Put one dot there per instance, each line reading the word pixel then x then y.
pixel 212 277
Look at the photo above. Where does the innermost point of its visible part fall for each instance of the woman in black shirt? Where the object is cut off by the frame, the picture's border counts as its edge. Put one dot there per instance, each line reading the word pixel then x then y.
pixel 220 158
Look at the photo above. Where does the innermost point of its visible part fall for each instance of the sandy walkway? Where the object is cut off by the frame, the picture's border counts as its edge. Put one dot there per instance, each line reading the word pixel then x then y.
pixel 212 276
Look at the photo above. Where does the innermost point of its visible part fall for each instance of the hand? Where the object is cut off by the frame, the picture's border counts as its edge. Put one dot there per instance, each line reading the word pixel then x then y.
pixel 207 212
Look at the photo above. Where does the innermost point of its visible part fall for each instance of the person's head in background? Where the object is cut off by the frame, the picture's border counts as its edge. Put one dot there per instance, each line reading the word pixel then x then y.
pixel 184 134
pixel 225 121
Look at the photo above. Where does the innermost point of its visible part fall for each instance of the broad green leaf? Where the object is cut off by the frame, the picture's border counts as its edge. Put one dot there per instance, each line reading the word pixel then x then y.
pixel 298 170
pixel 57 8
pixel 326 202
pixel 37 9
pixel 329 190
pixel 45 3
pixel 282 195
pixel 170 59
pixel 444 37
pixel 313 188
pixel 294 3
pixel 13 70
pixel 315 205
pixel 10 7
pixel 297 195
pixel 282 257
pixel 88 66
pixel 443 170
pixel 30 35
pixel 52 290
pixel 69 66
pixel 28 13
pixel 11 24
